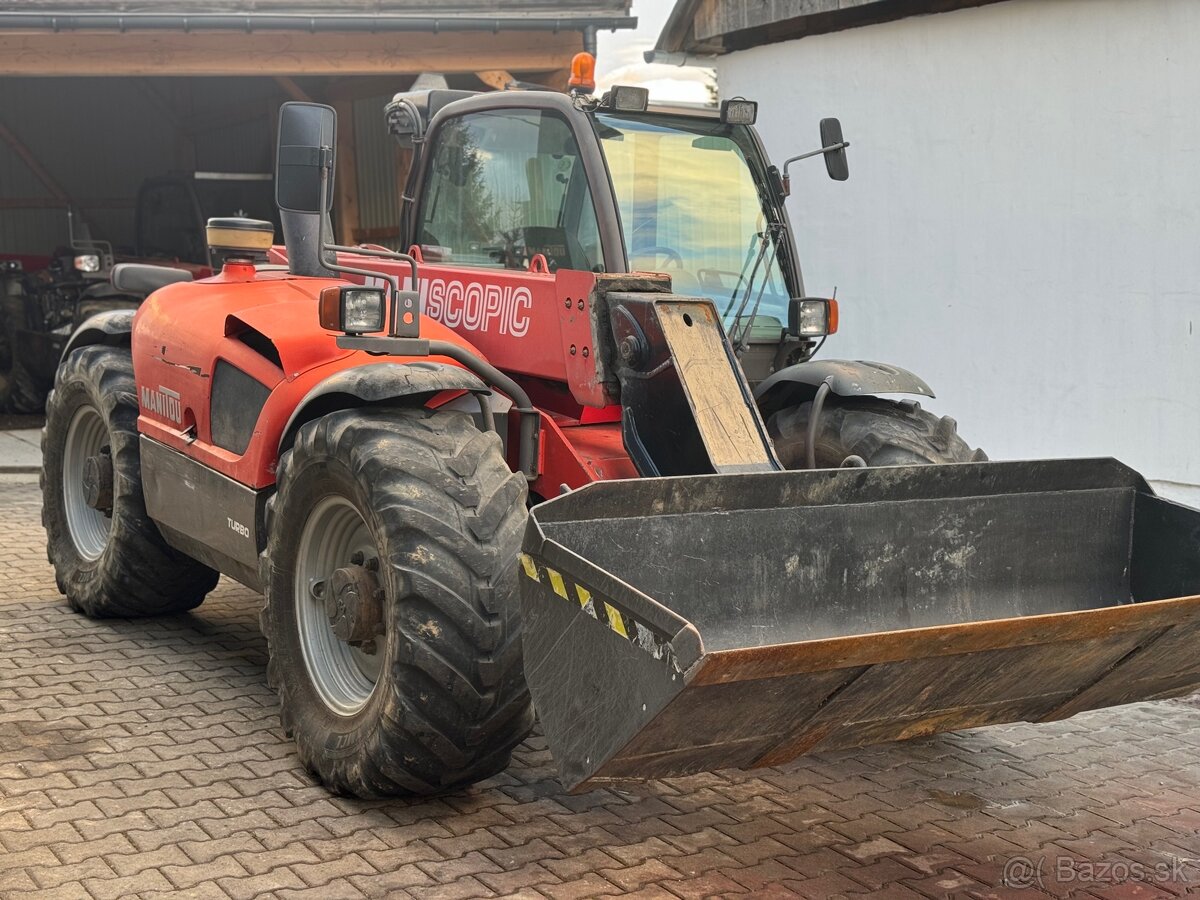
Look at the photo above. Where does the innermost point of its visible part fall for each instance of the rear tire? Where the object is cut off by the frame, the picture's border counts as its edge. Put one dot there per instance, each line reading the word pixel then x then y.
pixel 437 699
pixel 115 564
pixel 25 395
pixel 879 432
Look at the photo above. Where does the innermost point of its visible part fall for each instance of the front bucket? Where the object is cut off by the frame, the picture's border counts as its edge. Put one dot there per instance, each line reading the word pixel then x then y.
pixel 676 625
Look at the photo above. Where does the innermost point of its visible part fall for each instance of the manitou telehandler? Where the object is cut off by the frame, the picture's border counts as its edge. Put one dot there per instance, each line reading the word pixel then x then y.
pixel 515 461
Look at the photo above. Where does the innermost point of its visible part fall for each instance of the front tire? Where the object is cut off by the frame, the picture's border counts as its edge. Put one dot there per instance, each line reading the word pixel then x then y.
pixel 419 511
pixel 878 432
pixel 111 560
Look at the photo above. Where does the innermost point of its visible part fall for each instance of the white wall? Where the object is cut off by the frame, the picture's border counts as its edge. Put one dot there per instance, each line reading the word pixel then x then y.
pixel 1022 222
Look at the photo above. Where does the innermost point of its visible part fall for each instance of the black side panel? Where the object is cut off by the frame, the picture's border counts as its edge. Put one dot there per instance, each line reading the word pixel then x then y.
pixel 209 517
pixel 142 280
pixel 1166 548
pixel 237 399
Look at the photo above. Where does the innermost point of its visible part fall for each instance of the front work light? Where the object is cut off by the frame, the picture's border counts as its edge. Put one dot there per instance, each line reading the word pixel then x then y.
pixel 353 309
pixel 812 317
pixel 89 262
pixel 739 111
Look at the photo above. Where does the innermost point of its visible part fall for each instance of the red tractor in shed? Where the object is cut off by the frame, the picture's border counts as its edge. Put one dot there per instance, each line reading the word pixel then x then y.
pixel 575 443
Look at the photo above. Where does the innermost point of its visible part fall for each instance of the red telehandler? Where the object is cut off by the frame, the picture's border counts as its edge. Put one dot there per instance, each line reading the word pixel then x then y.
pixel 573 452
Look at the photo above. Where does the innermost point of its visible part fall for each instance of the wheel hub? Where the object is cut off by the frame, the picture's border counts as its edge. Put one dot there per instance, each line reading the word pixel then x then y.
pixel 87 482
pixel 339 606
pixel 98 481
pixel 354 602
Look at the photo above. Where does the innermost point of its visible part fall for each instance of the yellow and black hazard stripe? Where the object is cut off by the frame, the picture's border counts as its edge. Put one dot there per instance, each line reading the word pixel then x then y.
pixel 600 609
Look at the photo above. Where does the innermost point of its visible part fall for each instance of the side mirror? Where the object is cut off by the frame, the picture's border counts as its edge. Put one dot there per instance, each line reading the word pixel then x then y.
pixel 307 135
pixel 835 160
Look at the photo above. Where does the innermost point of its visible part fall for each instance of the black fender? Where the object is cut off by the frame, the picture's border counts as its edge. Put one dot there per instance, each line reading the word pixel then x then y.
pixel 846 378
pixel 113 328
pixel 378 384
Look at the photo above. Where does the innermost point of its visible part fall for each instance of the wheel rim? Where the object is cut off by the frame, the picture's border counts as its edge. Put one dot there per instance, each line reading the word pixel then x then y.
pixel 344 676
pixel 89 527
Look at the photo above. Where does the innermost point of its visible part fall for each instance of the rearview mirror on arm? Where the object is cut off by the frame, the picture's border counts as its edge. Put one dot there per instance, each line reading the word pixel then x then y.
pixel 833 148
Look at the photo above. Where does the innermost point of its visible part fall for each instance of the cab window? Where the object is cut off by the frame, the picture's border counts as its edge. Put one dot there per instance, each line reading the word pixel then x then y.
pixel 504 186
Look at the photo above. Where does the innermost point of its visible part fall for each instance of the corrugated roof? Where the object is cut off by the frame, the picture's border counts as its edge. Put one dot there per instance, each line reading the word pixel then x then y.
pixel 706 27
pixel 317 7
pixel 381 15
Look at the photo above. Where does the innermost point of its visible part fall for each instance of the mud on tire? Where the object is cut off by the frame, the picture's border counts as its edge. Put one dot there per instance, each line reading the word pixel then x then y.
pixel 437 503
pixel 116 565
pixel 880 432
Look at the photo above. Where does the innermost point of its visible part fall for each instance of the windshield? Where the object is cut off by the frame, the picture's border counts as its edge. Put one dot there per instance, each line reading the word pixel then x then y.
pixel 690 208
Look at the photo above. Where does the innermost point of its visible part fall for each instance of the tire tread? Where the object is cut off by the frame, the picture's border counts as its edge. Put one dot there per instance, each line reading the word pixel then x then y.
pixel 139 574
pixel 454 514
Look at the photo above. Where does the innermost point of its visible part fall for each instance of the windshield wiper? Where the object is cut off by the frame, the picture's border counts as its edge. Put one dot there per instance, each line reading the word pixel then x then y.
pixel 755 241
pixel 766 239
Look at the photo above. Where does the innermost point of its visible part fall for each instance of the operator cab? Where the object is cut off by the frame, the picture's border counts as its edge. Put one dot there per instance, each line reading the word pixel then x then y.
pixel 528 179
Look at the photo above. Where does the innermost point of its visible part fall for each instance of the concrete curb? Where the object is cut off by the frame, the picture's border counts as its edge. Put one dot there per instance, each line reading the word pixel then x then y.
pixel 21 451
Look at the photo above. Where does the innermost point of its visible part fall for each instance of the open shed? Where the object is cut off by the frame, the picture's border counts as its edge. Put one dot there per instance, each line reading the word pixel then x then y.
pixel 100 100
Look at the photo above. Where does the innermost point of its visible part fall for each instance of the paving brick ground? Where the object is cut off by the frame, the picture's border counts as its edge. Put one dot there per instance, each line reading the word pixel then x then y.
pixel 145 757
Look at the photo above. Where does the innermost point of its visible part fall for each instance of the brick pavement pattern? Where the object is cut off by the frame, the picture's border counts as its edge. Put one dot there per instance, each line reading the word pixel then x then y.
pixel 145 758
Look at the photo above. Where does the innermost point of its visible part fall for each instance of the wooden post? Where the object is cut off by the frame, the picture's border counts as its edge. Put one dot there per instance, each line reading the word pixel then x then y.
pixel 346 180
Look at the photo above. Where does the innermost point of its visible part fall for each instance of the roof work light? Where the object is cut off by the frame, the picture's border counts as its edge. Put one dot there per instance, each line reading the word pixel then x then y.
pixel 739 111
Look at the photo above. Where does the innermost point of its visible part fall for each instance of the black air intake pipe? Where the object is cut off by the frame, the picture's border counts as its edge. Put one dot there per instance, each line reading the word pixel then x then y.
pixel 302 237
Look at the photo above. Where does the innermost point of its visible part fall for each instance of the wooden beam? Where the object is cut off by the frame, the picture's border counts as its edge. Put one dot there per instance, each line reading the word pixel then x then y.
pixel 292 89
pixel 355 87
pixel 556 80
pixel 496 79
pixel 346 181
pixel 78 53
pixel 27 156
pixel 55 203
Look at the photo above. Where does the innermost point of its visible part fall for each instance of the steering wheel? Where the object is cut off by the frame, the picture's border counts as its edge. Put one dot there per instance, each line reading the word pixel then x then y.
pixel 673 256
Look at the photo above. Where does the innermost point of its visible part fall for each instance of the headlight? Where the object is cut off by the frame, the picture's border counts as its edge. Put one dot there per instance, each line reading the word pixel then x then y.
pixel 812 317
pixel 362 311
pixel 353 310
pixel 89 262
